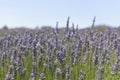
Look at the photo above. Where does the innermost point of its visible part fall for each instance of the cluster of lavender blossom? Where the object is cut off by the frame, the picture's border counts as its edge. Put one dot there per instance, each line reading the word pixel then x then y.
pixel 60 54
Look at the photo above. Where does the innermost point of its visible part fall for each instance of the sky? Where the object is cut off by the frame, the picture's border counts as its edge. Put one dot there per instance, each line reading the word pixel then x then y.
pixel 32 13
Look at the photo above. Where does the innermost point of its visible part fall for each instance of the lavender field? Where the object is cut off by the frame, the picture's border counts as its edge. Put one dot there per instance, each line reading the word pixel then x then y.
pixel 60 54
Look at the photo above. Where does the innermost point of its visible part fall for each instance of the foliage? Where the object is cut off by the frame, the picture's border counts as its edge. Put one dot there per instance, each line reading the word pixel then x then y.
pixel 60 54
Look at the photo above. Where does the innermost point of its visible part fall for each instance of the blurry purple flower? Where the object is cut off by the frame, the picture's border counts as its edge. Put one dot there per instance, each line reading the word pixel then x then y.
pixel 42 76
pixel 8 77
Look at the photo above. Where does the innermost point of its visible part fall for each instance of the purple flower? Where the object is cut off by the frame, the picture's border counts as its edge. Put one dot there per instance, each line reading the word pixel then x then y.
pixel 8 77
pixel 42 76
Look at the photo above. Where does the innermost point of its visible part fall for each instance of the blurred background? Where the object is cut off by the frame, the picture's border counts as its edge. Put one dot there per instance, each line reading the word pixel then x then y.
pixel 38 13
